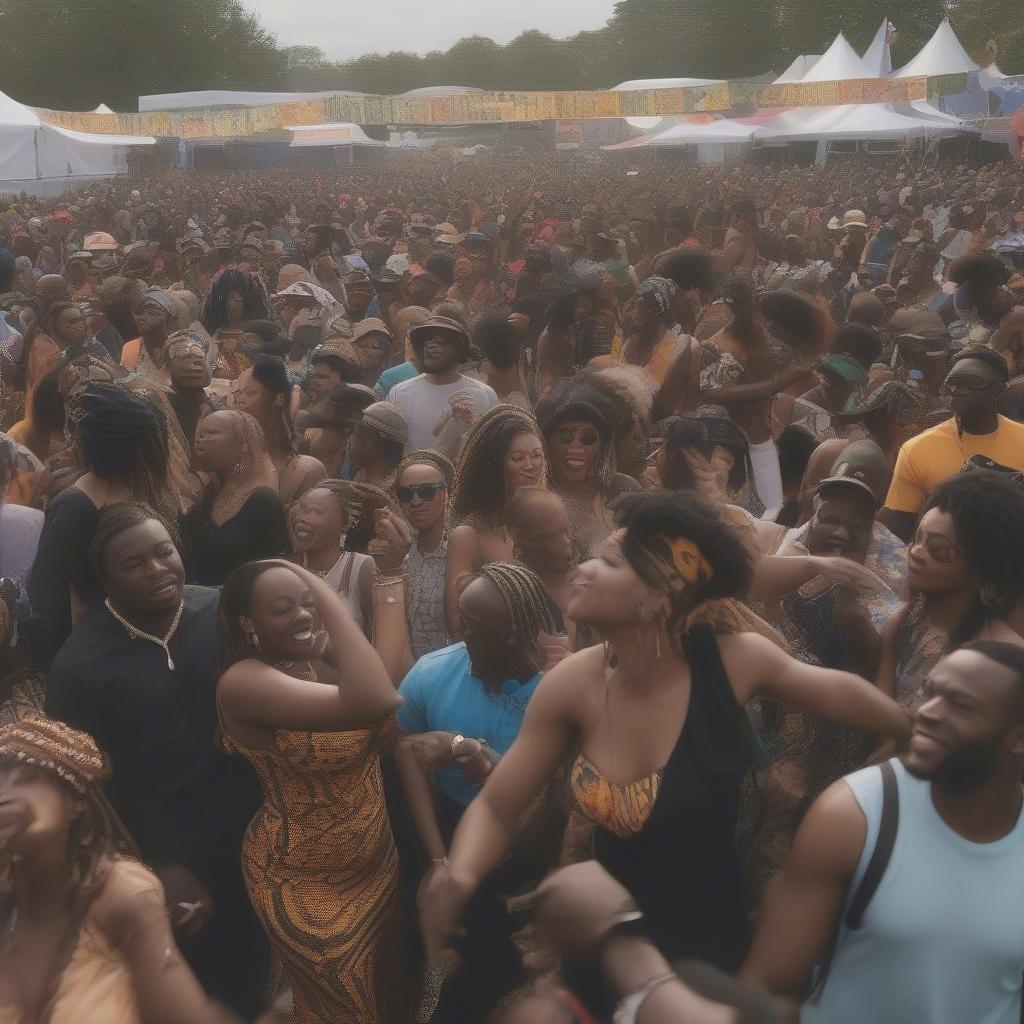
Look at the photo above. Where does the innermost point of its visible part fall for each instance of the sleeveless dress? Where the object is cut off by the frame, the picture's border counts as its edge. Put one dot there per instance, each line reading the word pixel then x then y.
pixel 671 838
pixel 322 871
pixel 96 986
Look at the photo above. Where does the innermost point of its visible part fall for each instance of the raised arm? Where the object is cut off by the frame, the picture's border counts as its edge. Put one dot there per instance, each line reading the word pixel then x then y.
pixel 801 908
pixel 258 695
pixel 137 925
pixel 759 668
pixel 775 576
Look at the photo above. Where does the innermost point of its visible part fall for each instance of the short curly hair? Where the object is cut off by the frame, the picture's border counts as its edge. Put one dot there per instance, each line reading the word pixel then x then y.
pixel 987 509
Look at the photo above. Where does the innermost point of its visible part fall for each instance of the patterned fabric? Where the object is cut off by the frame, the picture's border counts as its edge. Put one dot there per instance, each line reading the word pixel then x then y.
pixel 621 809
pixel 428 630
pixel 322 871
pixel 919 645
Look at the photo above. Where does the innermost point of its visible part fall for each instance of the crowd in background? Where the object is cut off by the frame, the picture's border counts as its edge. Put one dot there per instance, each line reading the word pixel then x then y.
pixel 483 588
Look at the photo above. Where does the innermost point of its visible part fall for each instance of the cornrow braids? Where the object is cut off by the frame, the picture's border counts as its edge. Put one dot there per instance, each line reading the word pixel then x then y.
pixel 529 604
pixel 479 485
pixel 115 520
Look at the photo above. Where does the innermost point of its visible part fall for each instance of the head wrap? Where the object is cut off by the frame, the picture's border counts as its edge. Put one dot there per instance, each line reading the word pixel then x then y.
pixel 115 421
pixel 673 564
pixel 163 300
pixel 659 289
pixel 429 457
pixel 388 421
pixel 55 748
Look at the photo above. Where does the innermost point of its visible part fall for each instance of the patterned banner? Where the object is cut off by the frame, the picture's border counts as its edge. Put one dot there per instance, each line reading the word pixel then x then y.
pixel 502 107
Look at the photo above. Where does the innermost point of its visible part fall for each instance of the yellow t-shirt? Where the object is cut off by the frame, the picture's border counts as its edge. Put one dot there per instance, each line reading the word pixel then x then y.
pixel 939 453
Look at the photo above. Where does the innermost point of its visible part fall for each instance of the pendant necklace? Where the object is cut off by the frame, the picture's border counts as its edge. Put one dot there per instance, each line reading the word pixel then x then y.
pixel 138 634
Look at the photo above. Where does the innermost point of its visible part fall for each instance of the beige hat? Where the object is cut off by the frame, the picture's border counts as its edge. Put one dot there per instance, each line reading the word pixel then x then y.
pixel 371 325
pixel 854 219
pixel 100 241
pixel 388 420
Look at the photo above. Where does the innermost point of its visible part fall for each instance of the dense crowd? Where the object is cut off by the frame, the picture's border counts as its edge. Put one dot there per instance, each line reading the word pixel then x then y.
pixel 487 589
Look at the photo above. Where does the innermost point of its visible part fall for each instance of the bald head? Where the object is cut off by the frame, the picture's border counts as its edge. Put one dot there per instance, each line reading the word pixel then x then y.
pixel 866 308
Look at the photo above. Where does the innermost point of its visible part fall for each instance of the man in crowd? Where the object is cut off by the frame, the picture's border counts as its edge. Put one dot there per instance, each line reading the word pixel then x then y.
pixel 927 929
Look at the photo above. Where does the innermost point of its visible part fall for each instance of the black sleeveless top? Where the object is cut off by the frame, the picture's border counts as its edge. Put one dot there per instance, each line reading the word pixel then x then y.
pixel 682 867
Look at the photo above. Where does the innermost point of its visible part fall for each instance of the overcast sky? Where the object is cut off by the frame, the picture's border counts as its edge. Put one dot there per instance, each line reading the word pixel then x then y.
pixel 348 28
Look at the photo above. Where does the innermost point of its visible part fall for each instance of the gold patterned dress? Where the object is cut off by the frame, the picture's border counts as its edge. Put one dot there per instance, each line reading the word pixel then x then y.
pixel 322 871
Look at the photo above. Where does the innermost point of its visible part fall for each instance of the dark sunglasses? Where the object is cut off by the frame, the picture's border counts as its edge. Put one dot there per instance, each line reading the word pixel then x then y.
pixel 587 436
pixel 961 382
pixel 940 549
pixel 425 492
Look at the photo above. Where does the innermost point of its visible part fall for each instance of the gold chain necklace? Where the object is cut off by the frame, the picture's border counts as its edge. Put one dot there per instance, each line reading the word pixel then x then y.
pixel 138 634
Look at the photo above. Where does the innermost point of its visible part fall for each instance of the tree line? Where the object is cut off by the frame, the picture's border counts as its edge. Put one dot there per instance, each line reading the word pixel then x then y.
pixel 74 54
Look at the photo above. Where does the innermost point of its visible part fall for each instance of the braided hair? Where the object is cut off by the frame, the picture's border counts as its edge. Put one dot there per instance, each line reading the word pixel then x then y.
pixel 428 457
pixel 115 520
pixel 530 606
pixel 479 485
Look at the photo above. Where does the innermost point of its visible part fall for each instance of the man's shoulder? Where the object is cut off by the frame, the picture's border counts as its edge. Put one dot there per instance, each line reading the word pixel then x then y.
pixel 405 386
pixel 1011 428
pixel 201 599
pixel 472 384
pixel 940 432
pixel 441 664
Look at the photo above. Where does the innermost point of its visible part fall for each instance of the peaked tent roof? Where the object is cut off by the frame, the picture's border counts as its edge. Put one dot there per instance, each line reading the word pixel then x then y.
pixel 796 71
pixel 337 134
pixel 662 83
pixel 943 54
pixel 838 62
pixel 856 121
pixel 103 109
pixel 991 75
pixel 878 56
pixel 15 114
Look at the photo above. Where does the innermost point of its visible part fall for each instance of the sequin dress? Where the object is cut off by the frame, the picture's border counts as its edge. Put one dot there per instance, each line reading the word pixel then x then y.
pixel 322 871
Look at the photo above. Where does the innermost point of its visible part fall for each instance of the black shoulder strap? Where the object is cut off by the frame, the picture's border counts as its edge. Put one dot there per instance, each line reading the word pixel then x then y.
pixel 887 829
pixel 888 826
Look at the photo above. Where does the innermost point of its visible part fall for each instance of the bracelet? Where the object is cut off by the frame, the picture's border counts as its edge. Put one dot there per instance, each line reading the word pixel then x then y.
pixel 440 860
pixel 628 1008
pixel 388 581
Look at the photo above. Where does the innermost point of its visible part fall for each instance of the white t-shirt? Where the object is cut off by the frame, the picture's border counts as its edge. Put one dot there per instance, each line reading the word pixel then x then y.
pixel 423 403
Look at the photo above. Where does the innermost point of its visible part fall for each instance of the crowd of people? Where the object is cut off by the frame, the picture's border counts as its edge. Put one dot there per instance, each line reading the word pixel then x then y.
pixel 488 589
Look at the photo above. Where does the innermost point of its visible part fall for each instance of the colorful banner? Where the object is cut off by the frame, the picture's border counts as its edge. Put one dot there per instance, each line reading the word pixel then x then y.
pixel 503 107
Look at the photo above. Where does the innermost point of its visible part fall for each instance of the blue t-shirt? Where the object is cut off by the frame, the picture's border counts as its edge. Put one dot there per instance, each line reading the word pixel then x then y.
pixel 394 375
pixel 441 696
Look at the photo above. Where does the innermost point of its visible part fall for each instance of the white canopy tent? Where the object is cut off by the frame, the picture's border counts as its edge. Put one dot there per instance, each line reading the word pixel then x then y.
pixel 646 124
pixel 689 133
pixel 795 72
pixel 42 158
pixel 878 56
pixel 102 109
pixel 838 63
pixel 943 54
pixel 858 122
pixel 306 135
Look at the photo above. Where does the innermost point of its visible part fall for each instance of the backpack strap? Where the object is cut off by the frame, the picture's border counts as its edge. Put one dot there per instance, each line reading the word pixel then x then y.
pixel 888 826
pixel 887 829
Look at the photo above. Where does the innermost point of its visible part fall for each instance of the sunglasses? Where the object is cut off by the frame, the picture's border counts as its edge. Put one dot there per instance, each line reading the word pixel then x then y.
pixel 425 492
pixel 587 436
pixel 964 382
pixel 940 549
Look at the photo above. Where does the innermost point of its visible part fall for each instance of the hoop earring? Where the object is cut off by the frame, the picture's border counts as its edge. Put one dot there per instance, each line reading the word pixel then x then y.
pixel 254 640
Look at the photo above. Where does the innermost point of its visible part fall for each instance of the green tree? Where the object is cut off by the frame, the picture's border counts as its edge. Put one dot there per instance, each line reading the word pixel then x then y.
pixel 74 54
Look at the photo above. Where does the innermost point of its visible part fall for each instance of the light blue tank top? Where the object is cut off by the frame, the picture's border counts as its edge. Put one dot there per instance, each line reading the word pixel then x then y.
pixel 942 941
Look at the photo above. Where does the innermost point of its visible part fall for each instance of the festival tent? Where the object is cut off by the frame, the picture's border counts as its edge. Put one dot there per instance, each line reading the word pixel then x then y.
pixel 306 135
pixel 102 109
pixel 796 71
pixel 878 57
pixel 40 157
pixel 838 63
pixel 943 54
pixel 690 133
pixel 635 84
pixel 855 122
pixel 991 75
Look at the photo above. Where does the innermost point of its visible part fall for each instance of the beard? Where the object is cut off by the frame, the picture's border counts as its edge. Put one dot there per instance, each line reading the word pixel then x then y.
pixel 963 769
